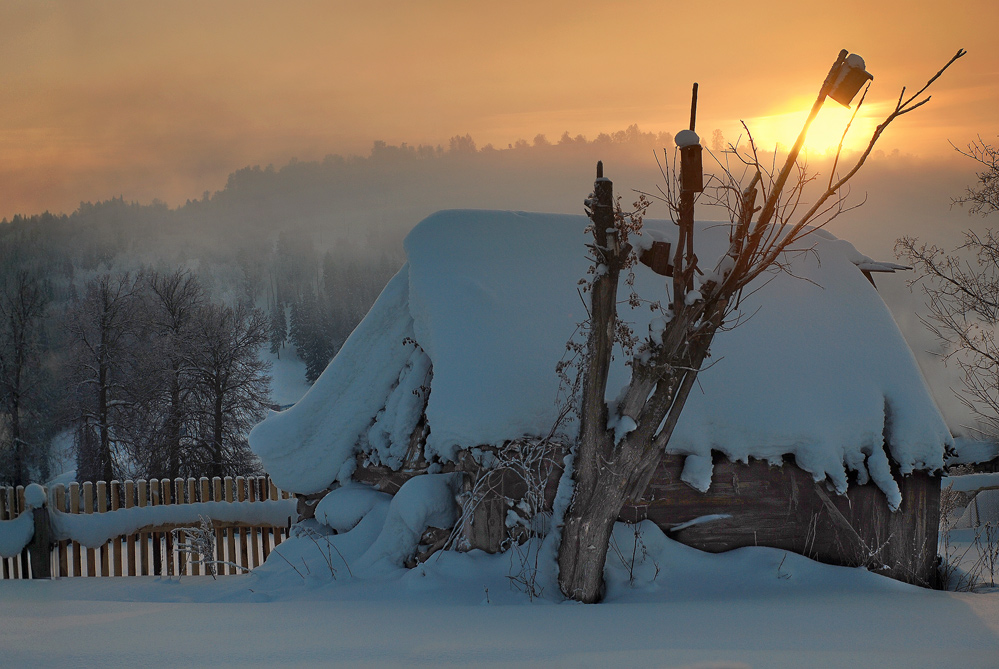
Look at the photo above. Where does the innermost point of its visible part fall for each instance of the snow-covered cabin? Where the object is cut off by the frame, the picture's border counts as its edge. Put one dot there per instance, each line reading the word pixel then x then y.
pixel 811 428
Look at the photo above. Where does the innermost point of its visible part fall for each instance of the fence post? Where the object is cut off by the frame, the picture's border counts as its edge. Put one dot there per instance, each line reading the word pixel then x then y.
pixel 256 534
pixel 88 507
pixel 130 541
pixel 167 536
pixel 219 532
pixel 102 507
pixel 40 548
pixel 7 572
pixel 60 505
pixel 19 505
pixel 154 500
pixel 116 546
pixel 144 537
pixel 230 535
pixel 74 507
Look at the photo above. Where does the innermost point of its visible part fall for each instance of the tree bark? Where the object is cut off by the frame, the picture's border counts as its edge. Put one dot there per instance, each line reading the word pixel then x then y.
pixel 612 468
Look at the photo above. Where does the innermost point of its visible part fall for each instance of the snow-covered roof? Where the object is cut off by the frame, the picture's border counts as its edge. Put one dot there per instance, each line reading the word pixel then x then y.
pixel 483 309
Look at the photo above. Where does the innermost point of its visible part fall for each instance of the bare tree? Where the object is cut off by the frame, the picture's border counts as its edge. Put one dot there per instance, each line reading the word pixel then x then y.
pixel 983 197
pixel 963 296
pixel 23 303
pixel 103 332
pixel 175 303
pixel 963 301
pixel 233 386
pixel 619 446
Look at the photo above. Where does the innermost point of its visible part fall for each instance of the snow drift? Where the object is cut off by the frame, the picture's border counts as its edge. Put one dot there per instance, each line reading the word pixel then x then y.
pixel 481 313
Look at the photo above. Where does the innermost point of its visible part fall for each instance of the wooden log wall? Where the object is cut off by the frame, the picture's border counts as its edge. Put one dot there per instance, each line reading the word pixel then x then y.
pixel 783 507
pixel 149 552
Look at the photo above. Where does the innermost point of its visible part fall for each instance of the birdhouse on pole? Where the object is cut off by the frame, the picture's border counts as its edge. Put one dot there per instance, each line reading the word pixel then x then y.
pixel 851 78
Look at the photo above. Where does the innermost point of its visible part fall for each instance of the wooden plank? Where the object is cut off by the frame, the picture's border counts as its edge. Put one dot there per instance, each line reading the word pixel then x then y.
pixel 74 507
pixel 166 499
pixel 130 541
pixel 192 497
pixel 276 494
pixel 4 506
pixel 25 572
pixel 102 507
pixel 265 534
pixel 88 507
pixel 206 497
pixel 116 545
pixel 4 567
pixel 144 539
pixel 241 497
pixel 230 535
pixel 155 537
pixel 255 534
pixel 59 501
pixel 219 532
pixel 178 491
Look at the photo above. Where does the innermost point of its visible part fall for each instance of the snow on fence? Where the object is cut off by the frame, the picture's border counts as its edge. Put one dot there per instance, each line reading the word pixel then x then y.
pixel 127 528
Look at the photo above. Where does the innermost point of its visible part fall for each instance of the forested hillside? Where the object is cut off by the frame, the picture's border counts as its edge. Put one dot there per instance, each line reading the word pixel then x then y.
pixel 117 317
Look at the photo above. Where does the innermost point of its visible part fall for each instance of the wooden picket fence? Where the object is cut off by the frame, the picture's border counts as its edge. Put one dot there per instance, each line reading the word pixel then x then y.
pixel 152 552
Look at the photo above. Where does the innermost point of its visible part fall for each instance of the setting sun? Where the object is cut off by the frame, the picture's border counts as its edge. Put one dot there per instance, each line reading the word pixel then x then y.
pixel 824 135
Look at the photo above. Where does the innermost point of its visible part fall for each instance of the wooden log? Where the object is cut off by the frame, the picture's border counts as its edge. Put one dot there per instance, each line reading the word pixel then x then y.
pixel 102 507
pixel 116 542
pixel 782 507
pixel 130 541
pixel 63 546
pixel 144 539
pixel 230 536
pixel 74 507
pixel 88 507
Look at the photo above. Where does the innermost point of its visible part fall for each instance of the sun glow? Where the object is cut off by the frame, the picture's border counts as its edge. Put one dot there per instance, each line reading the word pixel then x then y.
pixel 823 136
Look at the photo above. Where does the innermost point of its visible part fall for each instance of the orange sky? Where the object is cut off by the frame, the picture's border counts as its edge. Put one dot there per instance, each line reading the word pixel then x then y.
pixel 165 99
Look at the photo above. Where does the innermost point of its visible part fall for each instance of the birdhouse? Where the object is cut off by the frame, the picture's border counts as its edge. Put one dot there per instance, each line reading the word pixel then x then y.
pixel 852 76
pixel 691 165
pixel 657 258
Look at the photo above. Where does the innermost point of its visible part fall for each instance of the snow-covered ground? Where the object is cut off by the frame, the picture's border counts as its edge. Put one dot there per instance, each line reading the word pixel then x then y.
pixel 287 374
pixel 754 607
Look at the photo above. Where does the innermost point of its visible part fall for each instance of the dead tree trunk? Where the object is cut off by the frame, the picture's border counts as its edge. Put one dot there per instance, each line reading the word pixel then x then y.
pixel 613 465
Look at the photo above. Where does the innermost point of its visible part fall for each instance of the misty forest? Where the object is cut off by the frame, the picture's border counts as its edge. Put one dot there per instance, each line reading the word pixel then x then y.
pixel 112 315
